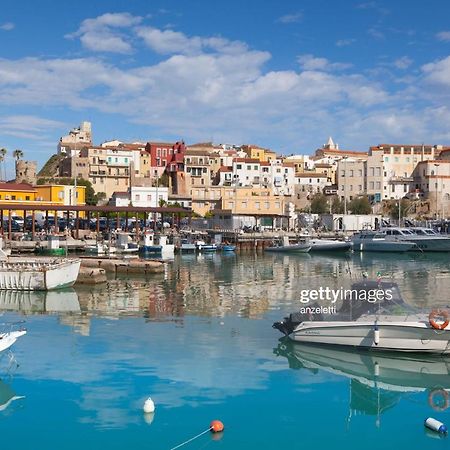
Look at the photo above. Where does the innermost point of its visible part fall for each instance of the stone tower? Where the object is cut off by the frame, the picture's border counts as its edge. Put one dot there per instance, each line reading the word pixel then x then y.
pixel 26 171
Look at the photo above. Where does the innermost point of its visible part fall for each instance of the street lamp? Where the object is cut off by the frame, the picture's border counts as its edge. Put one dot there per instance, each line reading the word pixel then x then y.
pixel 345 184
pixel 436 187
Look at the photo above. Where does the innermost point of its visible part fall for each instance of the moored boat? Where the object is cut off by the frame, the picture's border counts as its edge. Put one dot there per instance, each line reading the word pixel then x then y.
pixel 425 239
pixel 285 246
pixel 10 336
pixel 328 245
pixel 375 241
pixel 374 325
pixel 38 274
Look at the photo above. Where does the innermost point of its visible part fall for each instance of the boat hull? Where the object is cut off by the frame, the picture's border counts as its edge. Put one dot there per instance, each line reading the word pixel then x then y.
pixel 381 246
pixel 319 245
pixel 294 248
pixel 38 275
pixel 393 336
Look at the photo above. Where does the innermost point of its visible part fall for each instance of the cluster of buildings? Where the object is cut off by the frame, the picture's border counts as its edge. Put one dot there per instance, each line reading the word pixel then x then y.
pixel 248 183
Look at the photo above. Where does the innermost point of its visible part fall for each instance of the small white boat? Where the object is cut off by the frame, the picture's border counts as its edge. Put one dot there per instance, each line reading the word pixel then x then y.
pixel 286 247
pixel 187 246
pixel 125 245
pixel 100 248
pixel 8 338
pixel 202 246
pixel 375 241
pixel 328 245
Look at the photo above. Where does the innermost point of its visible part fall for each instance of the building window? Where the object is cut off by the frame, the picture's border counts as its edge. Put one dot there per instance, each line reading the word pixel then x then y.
pixel 27 197
pixel 239 166
pixel 13 197
pixel 244 205
pixel 267 205
pixel 257 205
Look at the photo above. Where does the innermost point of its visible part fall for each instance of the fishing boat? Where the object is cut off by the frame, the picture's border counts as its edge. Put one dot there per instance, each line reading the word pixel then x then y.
pixel 227 248
pixel 328 245
pixel 25 274
pixel 148 244
pixel 202 246
pixel 376 241
pixel 286 247
pixel 186 246
pixel 383 324
pixel 9 336
pixel 51 247
pixel 100 249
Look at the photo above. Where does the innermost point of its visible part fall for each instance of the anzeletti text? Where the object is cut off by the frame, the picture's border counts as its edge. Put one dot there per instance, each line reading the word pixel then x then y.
pixel 318 310
pixel 333 295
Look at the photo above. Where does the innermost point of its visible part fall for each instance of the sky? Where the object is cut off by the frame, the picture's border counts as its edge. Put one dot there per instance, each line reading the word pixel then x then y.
pixel 284 75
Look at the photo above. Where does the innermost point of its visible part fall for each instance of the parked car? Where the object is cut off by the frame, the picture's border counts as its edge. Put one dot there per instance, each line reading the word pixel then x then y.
pixel 14 225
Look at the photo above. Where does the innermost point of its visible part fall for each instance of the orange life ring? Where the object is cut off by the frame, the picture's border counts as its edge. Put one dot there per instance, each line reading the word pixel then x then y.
pixel 441 314
pixel 436 405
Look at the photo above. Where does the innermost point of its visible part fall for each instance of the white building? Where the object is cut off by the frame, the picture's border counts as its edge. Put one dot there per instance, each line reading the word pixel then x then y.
pixel 141 196
pixel 77 138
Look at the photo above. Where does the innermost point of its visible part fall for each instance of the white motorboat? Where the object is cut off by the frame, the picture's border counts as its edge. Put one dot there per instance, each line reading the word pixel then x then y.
pixel 202 246
pixel 328 245
pixel 376 241
pixel 371 325
pixel 9 337
pixel 425 239
pixel 286 246
pixel 100 249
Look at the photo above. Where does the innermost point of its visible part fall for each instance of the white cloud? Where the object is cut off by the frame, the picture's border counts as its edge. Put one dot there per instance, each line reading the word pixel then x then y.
pixel 8 26
pixel 28 127
pixel 403 63
pixel 291 18
pixel 102 33
pixel 438 72
pixel 443 36
pixel 345 42
pixel 311 62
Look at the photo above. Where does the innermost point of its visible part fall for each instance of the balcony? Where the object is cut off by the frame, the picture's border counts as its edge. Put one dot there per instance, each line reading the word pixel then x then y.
pixel 394 180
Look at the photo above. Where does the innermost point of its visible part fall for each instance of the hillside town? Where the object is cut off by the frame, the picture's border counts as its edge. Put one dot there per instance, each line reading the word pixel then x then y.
pixel 238 186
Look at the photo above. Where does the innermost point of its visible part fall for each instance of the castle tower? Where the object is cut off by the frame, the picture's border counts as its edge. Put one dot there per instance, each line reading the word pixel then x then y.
pixel 26 171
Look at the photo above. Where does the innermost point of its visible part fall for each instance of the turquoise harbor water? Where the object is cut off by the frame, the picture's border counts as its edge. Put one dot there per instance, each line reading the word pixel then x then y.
pixel 198 340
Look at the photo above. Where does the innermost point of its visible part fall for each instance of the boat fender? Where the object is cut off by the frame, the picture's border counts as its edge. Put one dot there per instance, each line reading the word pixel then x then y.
pixel 433 399
pixel 216 426
pixel 435 425
pixel 376 335
pixel 440 314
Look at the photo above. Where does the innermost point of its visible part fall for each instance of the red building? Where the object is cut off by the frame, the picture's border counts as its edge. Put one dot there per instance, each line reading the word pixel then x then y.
pixel 166 156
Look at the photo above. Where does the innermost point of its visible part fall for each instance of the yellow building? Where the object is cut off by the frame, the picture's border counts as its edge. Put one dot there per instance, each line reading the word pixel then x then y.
pixel 241 200
pixel 61 195
pixel 255 152
pixel 27 195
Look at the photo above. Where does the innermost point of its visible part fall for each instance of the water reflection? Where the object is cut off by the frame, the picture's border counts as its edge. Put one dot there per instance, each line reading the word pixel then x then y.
pixel 62 301
pixel 378 380
pixel 8 398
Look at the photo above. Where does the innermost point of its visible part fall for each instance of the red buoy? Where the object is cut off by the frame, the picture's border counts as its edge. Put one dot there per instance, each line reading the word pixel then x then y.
pixel 216 426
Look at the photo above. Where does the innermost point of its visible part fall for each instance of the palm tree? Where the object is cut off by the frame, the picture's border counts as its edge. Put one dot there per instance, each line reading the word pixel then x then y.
pixel 17 154
pixel 3 153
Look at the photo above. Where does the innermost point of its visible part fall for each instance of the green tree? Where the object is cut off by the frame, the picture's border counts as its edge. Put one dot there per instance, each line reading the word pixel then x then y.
pixel 319 204
pixel 3 153
pixel 393 208
pixel 17 154
pixel 337 205
pixel 360 205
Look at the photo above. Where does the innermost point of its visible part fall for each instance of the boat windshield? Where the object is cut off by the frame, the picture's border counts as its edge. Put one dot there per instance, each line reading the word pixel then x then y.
pixel 424 232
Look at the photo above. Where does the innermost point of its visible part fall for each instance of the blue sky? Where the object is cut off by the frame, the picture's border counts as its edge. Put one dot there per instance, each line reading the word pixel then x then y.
pixel 280 74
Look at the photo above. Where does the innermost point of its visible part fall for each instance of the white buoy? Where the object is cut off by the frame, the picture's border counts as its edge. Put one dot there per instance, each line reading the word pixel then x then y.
pixel 149 406
pixel 435 425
